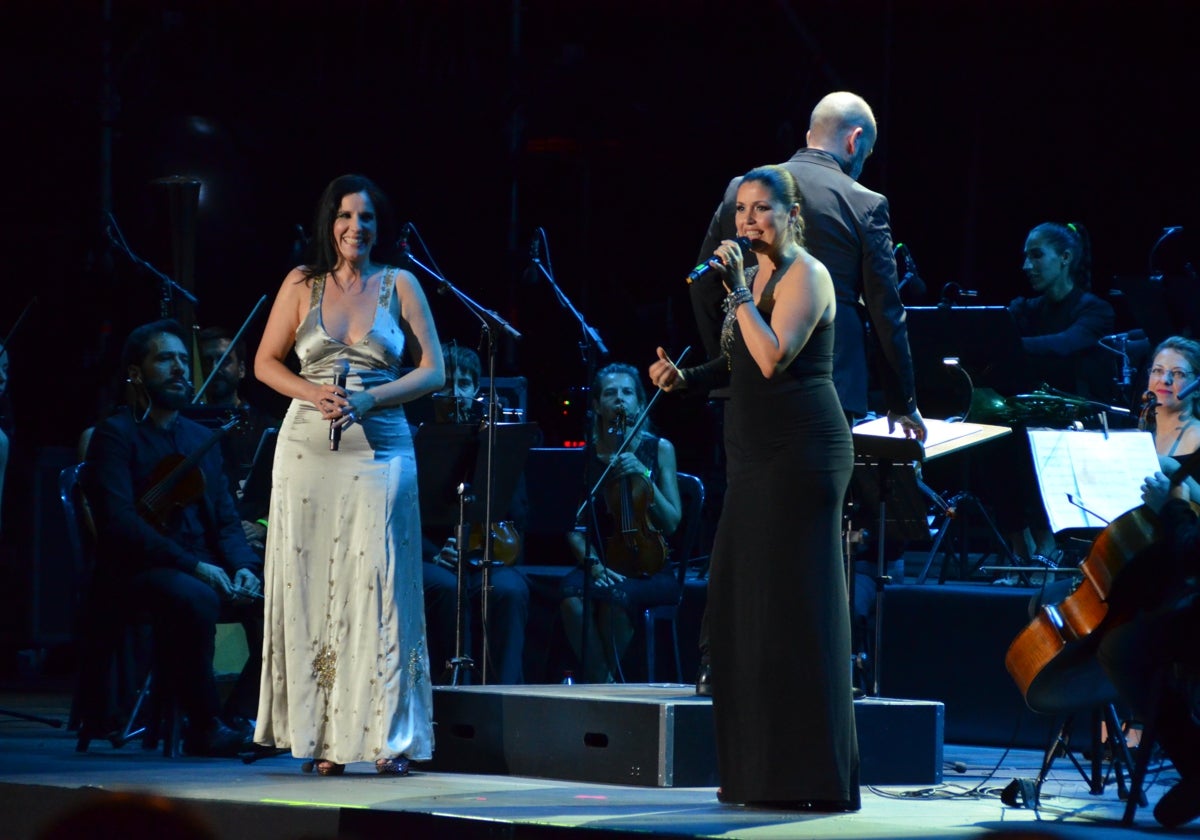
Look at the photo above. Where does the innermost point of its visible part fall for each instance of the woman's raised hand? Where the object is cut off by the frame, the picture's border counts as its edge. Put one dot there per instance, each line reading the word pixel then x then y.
pixel 665 375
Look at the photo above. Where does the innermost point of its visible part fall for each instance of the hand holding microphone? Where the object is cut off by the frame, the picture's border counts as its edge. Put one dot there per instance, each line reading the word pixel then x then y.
pixel 715 262
pixel 340 369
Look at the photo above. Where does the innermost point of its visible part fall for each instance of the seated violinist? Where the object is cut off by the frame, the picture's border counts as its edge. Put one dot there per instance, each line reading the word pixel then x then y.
pixel 240 444
pixel 1173 422
pixel 508 602
pixel 170 542
pixel 626 572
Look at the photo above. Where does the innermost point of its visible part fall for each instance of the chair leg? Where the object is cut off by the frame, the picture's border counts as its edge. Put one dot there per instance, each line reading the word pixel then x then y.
pixel 675 644
pixel 649 622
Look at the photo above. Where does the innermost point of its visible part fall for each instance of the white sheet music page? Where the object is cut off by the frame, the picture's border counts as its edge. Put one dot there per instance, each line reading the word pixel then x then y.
pixel 944 437
pixel 1089 479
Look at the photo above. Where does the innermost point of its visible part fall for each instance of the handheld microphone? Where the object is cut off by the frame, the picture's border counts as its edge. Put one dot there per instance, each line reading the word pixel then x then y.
pixel 1188 389
pixel 710 264
pixel 340 368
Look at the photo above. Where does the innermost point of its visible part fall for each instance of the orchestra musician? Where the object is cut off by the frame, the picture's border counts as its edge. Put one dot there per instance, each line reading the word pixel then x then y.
pixel 240 445
pixel 1152 659
pixel 170 542
pixel 626 567
pixel 1060 328
pixel 1174 422
pixel 508 600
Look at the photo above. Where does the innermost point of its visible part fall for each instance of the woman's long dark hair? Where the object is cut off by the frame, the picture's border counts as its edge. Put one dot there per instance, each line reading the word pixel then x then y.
pixel 322 253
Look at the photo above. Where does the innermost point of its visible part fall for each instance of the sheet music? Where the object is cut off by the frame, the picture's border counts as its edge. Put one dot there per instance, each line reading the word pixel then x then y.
pixel 944 437
pixel 1103 473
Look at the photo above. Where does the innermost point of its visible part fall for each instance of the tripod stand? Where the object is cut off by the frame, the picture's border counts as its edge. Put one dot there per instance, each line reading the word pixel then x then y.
pixel 884 483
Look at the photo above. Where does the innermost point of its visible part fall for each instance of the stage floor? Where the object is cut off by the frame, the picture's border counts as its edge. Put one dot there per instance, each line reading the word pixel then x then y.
pixel 41 775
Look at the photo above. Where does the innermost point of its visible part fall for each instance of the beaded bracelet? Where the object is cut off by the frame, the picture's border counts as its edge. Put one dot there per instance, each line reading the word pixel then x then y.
pixel 737 297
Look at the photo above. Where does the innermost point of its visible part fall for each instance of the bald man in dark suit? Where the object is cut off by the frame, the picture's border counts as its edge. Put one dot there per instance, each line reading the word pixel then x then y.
pixel 846 227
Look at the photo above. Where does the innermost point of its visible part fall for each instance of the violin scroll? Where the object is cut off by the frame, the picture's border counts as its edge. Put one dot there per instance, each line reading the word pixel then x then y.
pixel 1146 418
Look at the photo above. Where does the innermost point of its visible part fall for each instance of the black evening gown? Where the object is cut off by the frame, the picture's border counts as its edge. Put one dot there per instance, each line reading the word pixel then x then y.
pixel 778 608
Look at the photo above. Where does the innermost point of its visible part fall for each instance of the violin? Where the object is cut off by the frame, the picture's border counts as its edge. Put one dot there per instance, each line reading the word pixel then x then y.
pixel 506 543
pixel 635 547
pixel 177 481
pixel 1053 659
pixel 1147 417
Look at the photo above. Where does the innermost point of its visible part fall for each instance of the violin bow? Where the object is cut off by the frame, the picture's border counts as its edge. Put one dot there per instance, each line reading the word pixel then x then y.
pixel 625 441
pixel 13 329
pixel 232 344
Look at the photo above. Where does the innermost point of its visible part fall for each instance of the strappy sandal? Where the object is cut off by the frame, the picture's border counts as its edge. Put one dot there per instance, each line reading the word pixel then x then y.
pixel 323 768
pixel 397 766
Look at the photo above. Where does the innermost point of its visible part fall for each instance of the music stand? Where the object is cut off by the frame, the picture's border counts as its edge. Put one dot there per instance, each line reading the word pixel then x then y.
pixel 255 493
pixel 452 459
pixel 985 341
pixel 884 483
pixel 945 438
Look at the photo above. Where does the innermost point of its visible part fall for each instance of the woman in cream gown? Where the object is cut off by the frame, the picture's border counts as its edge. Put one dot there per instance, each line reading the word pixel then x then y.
pixel 345 669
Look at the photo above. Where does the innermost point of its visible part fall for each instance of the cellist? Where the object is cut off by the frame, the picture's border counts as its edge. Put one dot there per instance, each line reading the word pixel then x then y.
pixel 170 542
pixel 625 565
pixel 1153 659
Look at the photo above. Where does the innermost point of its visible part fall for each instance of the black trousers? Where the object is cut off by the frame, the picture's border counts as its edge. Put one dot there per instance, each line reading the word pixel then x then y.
pixel 184 612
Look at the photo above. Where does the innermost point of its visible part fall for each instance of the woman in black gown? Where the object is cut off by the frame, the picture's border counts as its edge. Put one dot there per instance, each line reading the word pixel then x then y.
pixel 778 611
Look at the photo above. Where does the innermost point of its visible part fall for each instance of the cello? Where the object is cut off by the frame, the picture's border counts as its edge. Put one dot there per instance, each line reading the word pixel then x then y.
pixel 635 547
pixel 1053 659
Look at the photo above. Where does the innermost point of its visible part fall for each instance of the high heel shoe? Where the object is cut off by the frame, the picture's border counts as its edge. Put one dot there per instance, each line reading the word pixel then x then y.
pixel 397 766
pixel 323 768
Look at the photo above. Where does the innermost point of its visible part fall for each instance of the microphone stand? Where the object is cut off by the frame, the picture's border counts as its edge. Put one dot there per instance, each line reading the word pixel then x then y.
pixel 591 346
pixel 490 323
pixel 1167 233
pixel 113 232
pixel 591 338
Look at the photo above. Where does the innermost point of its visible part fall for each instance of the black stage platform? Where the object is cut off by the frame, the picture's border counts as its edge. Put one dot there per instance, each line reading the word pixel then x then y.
pixel 42 777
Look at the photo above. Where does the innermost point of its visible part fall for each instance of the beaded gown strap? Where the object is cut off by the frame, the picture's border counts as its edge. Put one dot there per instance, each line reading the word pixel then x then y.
pixel 318 290
pixel 386 285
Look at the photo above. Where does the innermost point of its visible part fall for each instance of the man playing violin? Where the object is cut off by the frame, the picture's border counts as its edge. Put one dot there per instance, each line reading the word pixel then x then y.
pixel 638 506
pixel 170 541
pixel 508 600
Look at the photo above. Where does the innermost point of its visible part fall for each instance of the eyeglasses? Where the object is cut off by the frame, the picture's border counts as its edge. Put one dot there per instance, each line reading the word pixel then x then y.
pixel 1176 374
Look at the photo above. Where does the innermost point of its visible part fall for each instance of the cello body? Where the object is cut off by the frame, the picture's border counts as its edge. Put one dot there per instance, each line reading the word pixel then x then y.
pixel 1053 659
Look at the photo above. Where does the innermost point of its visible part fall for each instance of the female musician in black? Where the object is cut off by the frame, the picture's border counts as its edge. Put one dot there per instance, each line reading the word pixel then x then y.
pixel 1174 422
pixel 628 573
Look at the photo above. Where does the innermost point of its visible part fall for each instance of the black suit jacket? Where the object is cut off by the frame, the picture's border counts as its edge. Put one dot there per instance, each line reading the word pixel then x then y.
pixel 846 227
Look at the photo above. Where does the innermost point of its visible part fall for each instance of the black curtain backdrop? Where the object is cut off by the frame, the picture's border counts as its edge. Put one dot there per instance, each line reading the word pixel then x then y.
pixel 614 126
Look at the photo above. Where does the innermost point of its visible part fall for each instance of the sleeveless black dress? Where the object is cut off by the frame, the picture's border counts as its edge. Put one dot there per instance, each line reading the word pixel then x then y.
pixel 778 609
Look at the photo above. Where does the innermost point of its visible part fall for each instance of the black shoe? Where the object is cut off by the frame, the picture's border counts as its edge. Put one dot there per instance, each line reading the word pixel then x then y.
pixel 243 726
pixel 216 740
pixel 704 680
pixel 1179 805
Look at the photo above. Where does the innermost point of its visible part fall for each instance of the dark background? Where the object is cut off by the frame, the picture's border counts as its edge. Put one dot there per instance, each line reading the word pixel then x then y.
pixel 613 126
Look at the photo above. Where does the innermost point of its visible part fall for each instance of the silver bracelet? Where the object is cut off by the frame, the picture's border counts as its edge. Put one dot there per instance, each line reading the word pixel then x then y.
pixel 737 297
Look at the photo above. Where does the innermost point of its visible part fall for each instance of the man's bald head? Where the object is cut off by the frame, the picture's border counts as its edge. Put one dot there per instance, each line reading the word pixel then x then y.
pixel 843 124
